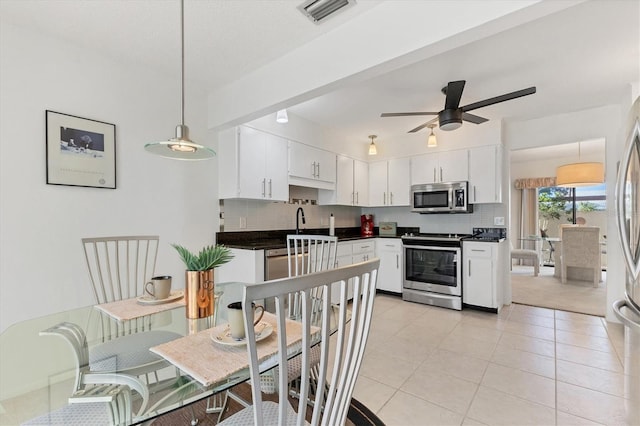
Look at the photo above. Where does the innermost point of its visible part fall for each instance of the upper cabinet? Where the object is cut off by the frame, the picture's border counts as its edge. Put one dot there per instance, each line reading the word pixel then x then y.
pixel 352 184
pixel 311 167
pixel 445 166
pixel 253 165
pixel 485 174
pixel 389 183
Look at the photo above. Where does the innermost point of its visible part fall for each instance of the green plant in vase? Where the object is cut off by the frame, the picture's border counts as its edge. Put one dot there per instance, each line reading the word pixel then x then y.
pixel 199 282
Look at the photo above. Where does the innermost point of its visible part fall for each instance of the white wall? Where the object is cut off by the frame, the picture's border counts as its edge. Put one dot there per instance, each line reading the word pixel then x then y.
pixel 42 269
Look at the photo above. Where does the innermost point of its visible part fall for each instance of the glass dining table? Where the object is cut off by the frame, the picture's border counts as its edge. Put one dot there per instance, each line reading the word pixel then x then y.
pixel 38 372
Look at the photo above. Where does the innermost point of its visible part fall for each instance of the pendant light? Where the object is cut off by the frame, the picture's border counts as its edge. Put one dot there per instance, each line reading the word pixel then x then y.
pixel 372 148
pixel 181 147
pixel 432 141
pixel 580 174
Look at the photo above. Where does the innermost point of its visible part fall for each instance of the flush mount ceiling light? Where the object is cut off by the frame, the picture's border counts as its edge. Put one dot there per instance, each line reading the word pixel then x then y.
pixel 282 117
pixel 372 148
pixel 317 10
pixel 579 174
pixel 432 141
pixel 181 147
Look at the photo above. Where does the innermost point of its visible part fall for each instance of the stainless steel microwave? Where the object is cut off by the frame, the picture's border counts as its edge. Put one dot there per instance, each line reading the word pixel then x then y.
pixel 449 197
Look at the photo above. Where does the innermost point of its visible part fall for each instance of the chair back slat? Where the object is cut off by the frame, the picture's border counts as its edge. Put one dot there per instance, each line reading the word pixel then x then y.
pixel 330 407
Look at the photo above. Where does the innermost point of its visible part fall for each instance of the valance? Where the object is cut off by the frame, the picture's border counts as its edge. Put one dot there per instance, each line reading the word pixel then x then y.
pixel 540 182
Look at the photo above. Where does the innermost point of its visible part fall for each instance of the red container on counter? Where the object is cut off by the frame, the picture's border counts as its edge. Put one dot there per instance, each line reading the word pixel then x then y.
pixel 366 225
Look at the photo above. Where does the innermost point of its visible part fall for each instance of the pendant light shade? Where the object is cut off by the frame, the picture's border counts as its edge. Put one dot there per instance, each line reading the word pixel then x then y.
pixel 181 147
pixel 432 141
pixel 372 147
pixel 580 174
pixel 282 117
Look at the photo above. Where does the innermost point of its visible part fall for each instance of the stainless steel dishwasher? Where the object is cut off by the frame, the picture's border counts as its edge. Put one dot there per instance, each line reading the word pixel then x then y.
pixel 276 265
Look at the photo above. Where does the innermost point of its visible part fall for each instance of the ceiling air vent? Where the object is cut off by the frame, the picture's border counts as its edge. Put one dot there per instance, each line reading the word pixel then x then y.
pixel 317 10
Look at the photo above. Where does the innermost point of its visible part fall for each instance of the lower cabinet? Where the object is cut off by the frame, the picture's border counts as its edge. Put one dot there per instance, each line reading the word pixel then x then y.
pixel 348 253
pixel 481 286
pixel 389 250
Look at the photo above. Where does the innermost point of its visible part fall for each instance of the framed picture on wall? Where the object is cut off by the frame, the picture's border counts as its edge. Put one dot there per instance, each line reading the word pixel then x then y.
pixel 80 151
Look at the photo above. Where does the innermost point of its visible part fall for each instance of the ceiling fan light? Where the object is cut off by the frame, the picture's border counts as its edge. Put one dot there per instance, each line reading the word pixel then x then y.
pixel 579 174
pixel 450 119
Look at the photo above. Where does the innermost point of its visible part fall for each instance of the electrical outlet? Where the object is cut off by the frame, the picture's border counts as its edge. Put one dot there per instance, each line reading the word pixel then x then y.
pixel 498 220
pixel 243 222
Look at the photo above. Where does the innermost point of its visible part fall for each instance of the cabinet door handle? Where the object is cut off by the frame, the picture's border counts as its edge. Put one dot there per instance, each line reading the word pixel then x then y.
pixel 434 174
pixel 318 174
pixel 263 187
pixel 390 198
pixel 475 197
pixel 270 189
pixel 397 261
pixel 469 268
pixel 440 174
pixel 313 169
pixel 384 198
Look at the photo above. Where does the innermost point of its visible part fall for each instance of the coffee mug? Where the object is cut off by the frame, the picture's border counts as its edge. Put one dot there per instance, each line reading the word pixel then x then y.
pixel 236 318
pixel 159 287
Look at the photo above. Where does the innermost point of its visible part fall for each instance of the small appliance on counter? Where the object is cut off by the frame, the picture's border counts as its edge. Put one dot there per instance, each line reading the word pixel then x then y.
pixel 388 229
pixel 366 225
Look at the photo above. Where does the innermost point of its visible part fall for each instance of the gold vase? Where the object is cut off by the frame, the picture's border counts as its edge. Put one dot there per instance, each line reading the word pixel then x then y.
pixel 199 294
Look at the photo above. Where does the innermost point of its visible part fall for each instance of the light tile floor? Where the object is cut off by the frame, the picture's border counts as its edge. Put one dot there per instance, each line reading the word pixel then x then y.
pixel 525 366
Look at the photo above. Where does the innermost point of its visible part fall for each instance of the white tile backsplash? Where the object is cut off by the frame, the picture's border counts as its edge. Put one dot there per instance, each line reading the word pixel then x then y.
pixel 266 216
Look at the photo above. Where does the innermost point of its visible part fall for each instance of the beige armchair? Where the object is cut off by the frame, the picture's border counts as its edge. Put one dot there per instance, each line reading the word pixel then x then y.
pixel 524 254
pixel 581 249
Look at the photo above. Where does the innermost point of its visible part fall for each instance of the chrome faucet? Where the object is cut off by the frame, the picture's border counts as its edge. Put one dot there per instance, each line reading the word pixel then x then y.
pixel 298 212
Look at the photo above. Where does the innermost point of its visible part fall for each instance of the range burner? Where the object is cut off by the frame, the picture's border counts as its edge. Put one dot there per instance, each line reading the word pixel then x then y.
pixel 435 237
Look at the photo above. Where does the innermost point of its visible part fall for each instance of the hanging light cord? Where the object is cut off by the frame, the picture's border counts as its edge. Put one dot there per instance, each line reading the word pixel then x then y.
pixel 182 57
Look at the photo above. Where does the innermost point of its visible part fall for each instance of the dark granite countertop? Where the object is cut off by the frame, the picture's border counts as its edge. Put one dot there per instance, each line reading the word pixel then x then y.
pixel 268 240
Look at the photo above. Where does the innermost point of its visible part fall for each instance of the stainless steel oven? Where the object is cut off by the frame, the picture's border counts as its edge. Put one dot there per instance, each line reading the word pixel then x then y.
pixel 432 270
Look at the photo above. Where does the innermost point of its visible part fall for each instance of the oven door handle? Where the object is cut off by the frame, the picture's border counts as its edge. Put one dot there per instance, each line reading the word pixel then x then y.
pixel 454 249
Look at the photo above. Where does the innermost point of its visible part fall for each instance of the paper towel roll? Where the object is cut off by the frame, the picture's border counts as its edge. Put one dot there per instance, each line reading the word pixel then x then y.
pixel 332 225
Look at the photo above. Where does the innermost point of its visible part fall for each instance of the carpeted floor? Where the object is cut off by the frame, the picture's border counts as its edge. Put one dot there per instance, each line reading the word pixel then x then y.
pixel 548 292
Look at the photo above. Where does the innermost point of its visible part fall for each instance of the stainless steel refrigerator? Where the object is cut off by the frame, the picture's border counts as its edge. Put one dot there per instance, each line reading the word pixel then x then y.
pixel 628 218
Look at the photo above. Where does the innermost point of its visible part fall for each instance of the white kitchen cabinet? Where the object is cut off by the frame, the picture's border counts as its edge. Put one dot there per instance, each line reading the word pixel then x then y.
pixel 481 285
pixel 311 167
pixel 485 174
pixel 444 166
pixel 389 250
pixel 389 183
pixel 253 164
pixel 352 184
pixel 348 253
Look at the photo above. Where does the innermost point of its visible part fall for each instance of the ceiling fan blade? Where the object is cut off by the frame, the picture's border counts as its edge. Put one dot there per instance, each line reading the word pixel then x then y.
pixel 501 98
pixel 473 118
pixel 405 114
pixel 454 94
pixel 420 127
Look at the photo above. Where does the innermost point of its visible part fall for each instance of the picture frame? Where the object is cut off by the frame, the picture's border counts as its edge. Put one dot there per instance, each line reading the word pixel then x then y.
pixel 80 151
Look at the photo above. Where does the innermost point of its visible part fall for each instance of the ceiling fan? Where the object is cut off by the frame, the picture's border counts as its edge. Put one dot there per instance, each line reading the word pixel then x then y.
pixel 451 117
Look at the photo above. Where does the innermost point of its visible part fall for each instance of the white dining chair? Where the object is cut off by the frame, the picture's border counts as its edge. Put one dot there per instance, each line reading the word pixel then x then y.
pixel 339 370
pixel 306 254
pixel 119 268
pixel 97 398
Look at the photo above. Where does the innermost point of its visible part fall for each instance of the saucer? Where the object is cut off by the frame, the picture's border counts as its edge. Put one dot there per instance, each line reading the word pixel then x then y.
pixel 222 335
pixel 173 296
